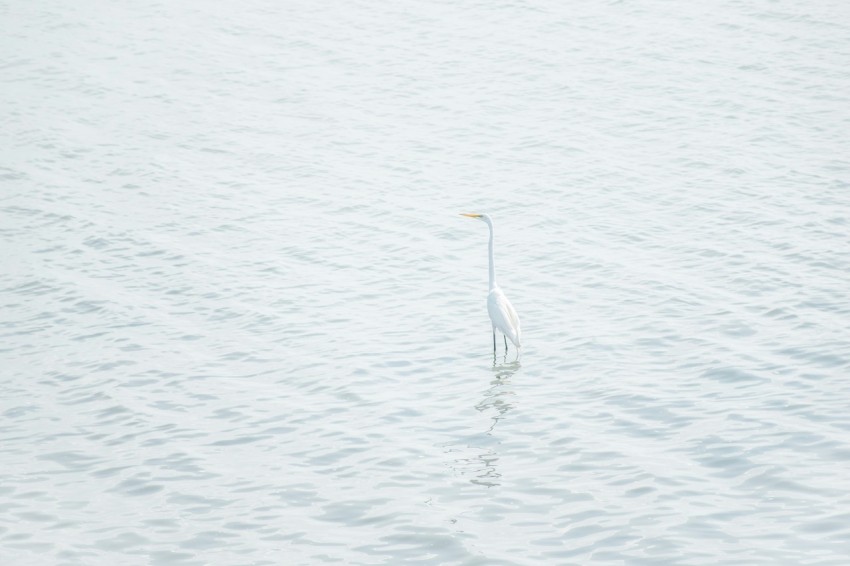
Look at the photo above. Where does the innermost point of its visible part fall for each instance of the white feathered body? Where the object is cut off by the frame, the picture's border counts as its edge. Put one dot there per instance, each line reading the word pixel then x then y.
pixel 503 316
pixel 502 313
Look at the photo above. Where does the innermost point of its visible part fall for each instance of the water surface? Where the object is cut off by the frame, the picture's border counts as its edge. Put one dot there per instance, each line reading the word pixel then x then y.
pixel 243 322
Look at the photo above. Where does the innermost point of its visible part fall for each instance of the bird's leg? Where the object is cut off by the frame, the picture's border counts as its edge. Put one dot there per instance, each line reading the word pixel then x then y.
pixel 506 344
pixel 494 340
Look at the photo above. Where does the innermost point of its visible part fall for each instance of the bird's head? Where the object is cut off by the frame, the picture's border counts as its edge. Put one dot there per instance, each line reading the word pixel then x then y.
pixel 484 217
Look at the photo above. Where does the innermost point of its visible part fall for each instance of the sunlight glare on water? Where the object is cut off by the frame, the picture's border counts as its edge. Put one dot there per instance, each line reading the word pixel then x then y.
pixel 244 323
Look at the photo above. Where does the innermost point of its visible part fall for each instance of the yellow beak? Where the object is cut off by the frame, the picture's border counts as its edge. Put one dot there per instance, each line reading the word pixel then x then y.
pixel 470 215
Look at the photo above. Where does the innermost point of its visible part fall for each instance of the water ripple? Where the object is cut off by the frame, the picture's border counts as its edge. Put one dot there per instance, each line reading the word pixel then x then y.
pixel 243 322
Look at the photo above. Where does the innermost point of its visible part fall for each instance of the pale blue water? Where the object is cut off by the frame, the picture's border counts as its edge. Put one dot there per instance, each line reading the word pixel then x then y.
pixel 243 322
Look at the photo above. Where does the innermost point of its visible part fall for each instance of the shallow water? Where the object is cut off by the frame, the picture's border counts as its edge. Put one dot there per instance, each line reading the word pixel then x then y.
pixel 243 322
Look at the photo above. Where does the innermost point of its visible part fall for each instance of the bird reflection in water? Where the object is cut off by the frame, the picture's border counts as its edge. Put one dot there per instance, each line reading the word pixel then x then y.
pixel 497 402
pixel 498 396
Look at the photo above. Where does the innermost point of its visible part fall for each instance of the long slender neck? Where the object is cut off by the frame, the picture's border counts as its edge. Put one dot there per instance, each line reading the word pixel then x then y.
pixel 492 261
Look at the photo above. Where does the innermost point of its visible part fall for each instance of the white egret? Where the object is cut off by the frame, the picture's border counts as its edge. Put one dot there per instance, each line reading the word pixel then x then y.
pixel 502 313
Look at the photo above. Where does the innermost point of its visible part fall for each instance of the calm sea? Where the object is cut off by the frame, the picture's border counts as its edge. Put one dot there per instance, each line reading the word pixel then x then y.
pixel 242 321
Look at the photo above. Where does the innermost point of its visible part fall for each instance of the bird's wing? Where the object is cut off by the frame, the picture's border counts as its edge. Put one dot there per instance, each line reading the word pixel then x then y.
pixel 512 314
pixel 504 316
